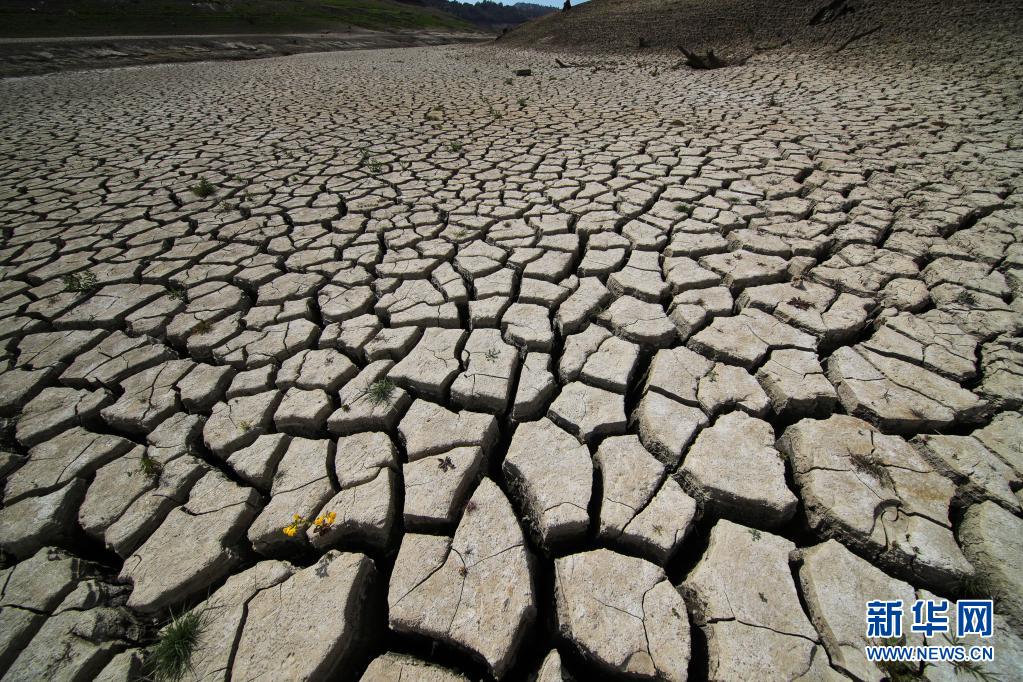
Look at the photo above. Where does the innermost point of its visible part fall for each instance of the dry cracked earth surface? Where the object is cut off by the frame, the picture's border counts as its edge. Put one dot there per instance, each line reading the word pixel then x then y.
pixel 397 364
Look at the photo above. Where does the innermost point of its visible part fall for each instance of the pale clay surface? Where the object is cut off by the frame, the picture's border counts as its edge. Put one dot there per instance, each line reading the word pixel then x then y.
pixel 605 369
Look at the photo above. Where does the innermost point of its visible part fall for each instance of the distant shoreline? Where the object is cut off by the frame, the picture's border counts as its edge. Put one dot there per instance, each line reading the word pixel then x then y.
pixel 38 56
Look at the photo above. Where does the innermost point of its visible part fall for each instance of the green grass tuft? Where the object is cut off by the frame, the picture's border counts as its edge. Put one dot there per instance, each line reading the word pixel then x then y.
pixel 202 189
pixel 171 658
pixel 150 468
pixel 380 391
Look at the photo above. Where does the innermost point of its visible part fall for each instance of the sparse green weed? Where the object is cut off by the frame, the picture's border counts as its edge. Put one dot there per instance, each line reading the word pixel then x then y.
pixel 79 282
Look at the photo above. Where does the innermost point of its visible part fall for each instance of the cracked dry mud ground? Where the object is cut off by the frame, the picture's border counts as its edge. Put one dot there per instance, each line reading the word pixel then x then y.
pixel 616 370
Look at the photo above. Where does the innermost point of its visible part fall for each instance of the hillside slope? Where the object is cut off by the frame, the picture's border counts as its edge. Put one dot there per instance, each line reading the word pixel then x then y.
pixel 51 18
pixel 743 26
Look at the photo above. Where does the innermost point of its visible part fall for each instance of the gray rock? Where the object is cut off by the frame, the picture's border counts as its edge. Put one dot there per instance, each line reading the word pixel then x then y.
pixel 117 357
pixel 365 513
pixel 743 597
pixel 929 340
pixel 727 386
pixel 51 464
pixel 490 367
pixel 124 667
pixel 310 626
pixel 224 614
pixel 877 495
pixel 734 471
pixel 897 395
pixel 553 476
pixel 436 487
pixel 666 426
pixel 1001 437
pixel 991 539
pixel 55 410
pixel 204 386
pixel 31 590
pixel 447 588
pixel 390 666
pixel 979 474
pixel 238 422
pixel 303 413
pixel 640 322
pixel 301 487
pixel 146 512
pixel 149 397
pixel 326 369
pixel 836 586
pixel 550 669
pixel 536 387
pixel 251 382
pixel 73 645
pixel 429 429
pixel 795 383
pixel 258 462
pixel 35 522
pixel 363 408
pixel 584 302
pixel 676 373
pixel 641 509
pixel 623 613
pixel 528 326
pixel 747 338
pixel 196 539
pixel 114 488
pixel 432 365
pixel 588 412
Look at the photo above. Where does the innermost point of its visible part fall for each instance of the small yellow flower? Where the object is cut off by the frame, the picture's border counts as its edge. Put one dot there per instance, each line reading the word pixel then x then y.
pixel 330 518
pixel 318 522
pixel 297 518
pixel 290 531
